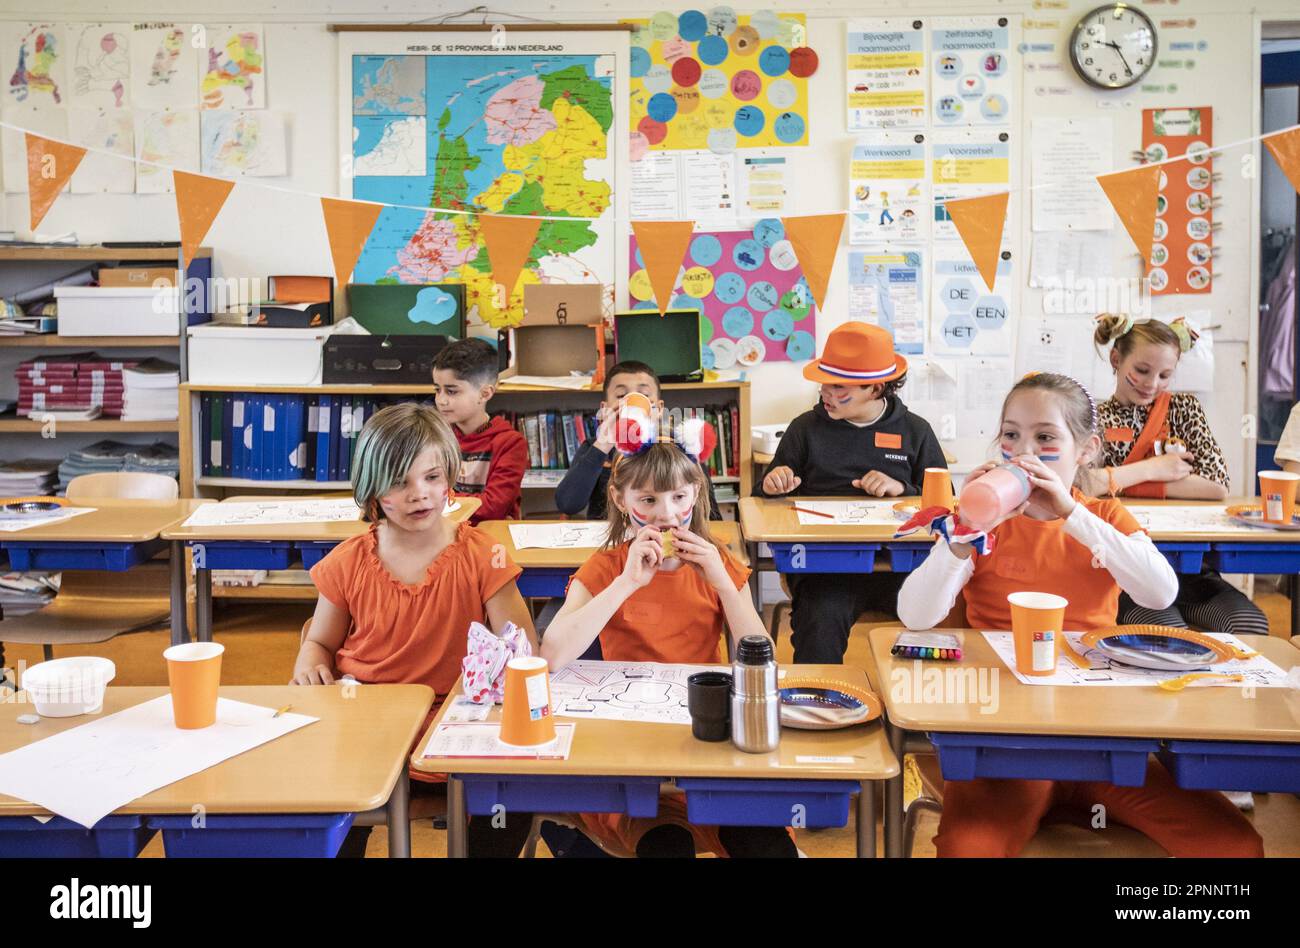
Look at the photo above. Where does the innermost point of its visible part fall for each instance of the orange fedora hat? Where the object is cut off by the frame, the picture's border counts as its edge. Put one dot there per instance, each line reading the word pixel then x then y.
pixel 857 354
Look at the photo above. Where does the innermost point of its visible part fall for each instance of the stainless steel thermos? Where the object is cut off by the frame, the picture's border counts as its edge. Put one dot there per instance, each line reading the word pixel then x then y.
pixel 755 698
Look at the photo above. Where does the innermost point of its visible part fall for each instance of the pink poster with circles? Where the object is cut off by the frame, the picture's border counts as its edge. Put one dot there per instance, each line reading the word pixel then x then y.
pixel 748 286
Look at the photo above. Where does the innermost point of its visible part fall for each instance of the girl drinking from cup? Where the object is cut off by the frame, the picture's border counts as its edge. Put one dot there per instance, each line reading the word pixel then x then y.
pixel 1086 550
pixel 1158 444
pixel 660 590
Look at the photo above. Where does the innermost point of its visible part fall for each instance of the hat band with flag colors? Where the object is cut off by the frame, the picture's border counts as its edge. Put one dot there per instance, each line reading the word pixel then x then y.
pixel 857 353
pixel 870 376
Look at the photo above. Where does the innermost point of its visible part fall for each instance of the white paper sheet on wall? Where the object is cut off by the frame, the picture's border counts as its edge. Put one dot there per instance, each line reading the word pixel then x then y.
pixel 1060 259
pixel 888 290
pixel 653 192
pixel 1195 372
pixel 886 73
pixel 981 386
pixel 1066 155
pixel 931 392
pixel 966 317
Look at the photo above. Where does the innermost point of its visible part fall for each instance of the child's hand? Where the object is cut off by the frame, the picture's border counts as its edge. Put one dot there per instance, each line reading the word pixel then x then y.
pixel 607 430
pixel 780 480
pixel 981 471
pixel 1047 492
pixel 1170 467
pixel 879 485
pixel 643 557
pixel 692 548
pixel 314 675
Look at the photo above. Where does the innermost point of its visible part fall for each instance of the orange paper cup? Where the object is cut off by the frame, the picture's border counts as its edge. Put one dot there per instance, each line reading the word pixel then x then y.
pixel 526 718
pixel 1277 491
pixel 194 673
pixel 936 489
pixel 1036 621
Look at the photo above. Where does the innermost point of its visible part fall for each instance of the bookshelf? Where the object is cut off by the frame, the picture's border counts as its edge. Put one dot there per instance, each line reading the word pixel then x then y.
pixel 509 398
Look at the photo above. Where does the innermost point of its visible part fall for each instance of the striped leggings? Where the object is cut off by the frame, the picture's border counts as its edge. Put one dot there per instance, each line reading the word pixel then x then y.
pixel 1205 600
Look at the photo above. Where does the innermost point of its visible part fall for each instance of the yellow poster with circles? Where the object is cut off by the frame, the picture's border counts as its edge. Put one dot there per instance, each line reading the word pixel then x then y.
pixel 720 81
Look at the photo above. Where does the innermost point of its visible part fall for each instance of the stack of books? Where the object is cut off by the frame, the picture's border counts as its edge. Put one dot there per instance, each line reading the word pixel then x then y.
pixel 102 456
pixel 82 384
pixel 28 478
pixel 150 391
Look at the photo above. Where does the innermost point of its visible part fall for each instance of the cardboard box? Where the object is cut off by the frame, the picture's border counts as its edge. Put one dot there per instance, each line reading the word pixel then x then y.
pixel 140 277
pixel 563 331
pixel 563 304
pixel 669 344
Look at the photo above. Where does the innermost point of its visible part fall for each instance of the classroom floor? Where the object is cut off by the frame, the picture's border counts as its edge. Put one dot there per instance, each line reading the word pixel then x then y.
pixel 261 642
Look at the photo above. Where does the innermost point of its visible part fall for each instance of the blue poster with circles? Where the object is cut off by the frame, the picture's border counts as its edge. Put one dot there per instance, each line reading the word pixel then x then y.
pixel 750 291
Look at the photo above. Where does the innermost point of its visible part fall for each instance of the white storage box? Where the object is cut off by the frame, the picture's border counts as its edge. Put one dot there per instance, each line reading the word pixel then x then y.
pixel 256 355
pixel 765 438
pixel 118 311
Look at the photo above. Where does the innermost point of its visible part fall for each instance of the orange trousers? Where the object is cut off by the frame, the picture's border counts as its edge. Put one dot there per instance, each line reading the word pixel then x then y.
pixel 999 817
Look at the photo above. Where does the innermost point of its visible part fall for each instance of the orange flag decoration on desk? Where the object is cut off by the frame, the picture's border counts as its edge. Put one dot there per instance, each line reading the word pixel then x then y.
pixel 1133 195
pixel 663 245
pixel 509 241
pixel 199 200
pixel 1285 148
pixel 49 166
pixel 979 222
pixel 347 225
pixel 815 239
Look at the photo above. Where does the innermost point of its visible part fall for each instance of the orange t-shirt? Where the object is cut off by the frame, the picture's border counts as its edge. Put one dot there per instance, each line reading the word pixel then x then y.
pixel 411 634
pixel 1039 556
pixel 677 617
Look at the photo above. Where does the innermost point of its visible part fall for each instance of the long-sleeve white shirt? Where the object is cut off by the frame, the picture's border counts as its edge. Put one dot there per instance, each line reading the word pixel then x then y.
pixel 1138 567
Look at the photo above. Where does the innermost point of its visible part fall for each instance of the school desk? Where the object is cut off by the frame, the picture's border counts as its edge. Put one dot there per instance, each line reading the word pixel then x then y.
pixel 546 572
pixel 113 537
pixel 618 759
pixel 1207 735
pixel 262 546
pixel 352 760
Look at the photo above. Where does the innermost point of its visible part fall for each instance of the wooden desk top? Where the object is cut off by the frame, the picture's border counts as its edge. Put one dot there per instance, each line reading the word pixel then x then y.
pixel 348 761
pixel 120 522
pixel 315 532
pixel 774 520
pixel 635 749
pixel 726 532
pixel 1210 714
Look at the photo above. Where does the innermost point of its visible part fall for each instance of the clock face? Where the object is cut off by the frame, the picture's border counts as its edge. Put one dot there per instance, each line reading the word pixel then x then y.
pixel 1113 46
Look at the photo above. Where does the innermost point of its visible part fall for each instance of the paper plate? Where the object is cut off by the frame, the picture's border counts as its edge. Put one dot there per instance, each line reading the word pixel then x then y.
pixel 1160 647
pixel 822 705
pixel 905 511
pixel 1252 515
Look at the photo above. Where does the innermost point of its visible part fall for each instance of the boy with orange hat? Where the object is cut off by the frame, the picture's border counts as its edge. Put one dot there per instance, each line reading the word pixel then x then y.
pixel 858 437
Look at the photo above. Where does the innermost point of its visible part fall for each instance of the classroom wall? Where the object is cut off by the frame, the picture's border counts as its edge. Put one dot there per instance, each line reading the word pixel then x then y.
pixel 260 233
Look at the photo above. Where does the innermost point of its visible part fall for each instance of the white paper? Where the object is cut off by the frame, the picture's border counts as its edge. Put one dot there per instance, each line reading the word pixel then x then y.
pixel 845 513
pixel 243 143
pixel 888 192
pixel 967 163
pixel 708 187
pixel 169 140
pixel 576 534
pixel 232 69
pixel 87 772
pixel 1184 519
pixel 654 189
pixel 43 80
pixel 100 65
pixel 483 740
pixel 931 392
pixel 12 523
pixel 886 289
pixel 982 384
pixel 886 73
pixel 764 186
pixel 106 130
pixel 1258 672
pixel 623 691
pixel 966 317
pixel 1059 260
pixel 164 67
pixel 1060 344
pixel 974 71
pixel 1066 157
pixel 256 513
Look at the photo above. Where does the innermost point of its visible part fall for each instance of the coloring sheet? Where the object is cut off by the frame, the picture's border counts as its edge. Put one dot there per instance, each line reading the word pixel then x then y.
pixel 1188 519
pixel 845 513
pixel 576 534
pixel 13 522
pixel 257 513
pixel 484 740
pixel 1258 672
pixel 623 691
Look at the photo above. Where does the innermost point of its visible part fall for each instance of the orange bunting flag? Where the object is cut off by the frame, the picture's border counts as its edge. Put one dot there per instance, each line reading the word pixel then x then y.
pixel 979 222
pixel 199 200
pixel 1133 194
pixel 509 241
pixel 1285 147
pixel 347 225
pixel 49 166
pixel 663 245
pixel 815 239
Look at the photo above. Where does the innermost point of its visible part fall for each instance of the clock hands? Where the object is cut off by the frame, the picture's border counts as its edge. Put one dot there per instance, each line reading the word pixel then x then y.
pixel 1115 46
